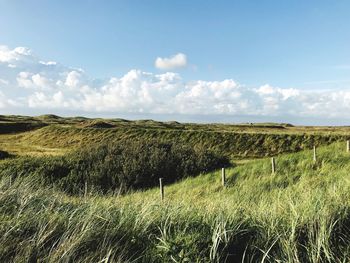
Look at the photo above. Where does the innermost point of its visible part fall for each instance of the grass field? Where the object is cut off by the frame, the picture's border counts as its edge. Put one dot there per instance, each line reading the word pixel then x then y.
pixel 299 214
pixel 54 135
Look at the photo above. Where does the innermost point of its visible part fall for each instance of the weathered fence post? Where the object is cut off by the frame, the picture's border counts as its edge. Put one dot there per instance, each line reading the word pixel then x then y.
pixel 85 189
pixel 315 154
pixel 273 165
pixel 161 187
pixel 347 146
pixel 223 177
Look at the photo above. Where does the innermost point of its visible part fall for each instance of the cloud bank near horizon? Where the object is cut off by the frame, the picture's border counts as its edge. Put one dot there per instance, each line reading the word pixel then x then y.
pixel 28 83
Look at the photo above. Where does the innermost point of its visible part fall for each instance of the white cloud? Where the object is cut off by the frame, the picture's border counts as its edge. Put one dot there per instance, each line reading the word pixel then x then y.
pixel 48 101
pixel 49 63
pixel 40 81
pixel 8 55
pixel 73 79
pixel 22 51
pixel 29 80
pixel 24 80
pixel 6 102
pixel 177 61
pixel 44 85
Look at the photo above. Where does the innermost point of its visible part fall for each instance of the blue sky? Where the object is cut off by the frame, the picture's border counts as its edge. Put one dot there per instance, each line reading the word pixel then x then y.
pixel 283 45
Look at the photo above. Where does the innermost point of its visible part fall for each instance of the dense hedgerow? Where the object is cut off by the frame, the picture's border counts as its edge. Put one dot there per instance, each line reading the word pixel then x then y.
pixel 123 166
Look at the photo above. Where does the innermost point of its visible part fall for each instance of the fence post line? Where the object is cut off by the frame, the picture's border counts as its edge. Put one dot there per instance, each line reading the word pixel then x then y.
pixel 273 165
pixel 315 154
pixel 161 188
pixel 223 177
pixel 347 146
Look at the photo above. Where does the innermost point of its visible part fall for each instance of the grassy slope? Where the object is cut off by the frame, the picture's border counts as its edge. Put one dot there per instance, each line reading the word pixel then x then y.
pixel 301 214
pixel 236 140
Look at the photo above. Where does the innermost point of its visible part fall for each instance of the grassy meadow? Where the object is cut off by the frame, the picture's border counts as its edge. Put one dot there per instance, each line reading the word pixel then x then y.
pixel 299 214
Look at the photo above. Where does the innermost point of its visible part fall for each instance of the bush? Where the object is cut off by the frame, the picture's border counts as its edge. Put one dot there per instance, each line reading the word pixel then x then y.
pixel 138 164
pixel 123 165
pixel 4 155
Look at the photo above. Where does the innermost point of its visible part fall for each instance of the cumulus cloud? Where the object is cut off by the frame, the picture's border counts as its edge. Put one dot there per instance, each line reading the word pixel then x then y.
pixel 48 101
pixel 24 80
pixel 34 84
pixel 8 55
pixel 6 102
pixel 73 79
pixel 177 61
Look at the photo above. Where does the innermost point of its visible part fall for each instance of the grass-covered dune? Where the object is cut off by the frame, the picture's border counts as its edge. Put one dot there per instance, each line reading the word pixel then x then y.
pixel 63 138
pixel 55 135
pixel 75 190
pixel 299 214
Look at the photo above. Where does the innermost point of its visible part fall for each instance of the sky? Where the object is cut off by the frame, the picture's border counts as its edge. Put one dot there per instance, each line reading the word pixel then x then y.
pixel 198 61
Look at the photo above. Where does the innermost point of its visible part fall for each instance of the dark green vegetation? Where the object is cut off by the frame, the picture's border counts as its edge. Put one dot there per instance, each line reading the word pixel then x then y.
pixel 299 214
pixel 4 155
pixel 112 166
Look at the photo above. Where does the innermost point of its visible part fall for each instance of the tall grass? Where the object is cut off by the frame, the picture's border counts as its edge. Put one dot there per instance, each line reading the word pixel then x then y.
pixel 300 214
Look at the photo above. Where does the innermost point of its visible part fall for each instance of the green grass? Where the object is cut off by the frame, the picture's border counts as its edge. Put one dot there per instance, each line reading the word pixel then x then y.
pixel 58 139
pixel 53 135
pixel 299 214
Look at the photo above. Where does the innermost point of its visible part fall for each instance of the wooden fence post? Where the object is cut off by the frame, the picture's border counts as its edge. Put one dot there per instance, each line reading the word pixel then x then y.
pixel 315 154
pixel 85 189
pixel 273 165
pixel 161 187
pixel 347 146
pixel 223 177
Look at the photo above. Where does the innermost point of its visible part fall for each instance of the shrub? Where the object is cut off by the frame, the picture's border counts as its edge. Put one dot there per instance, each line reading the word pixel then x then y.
pixel 126 165
pixel 4 155
pixel 138 164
